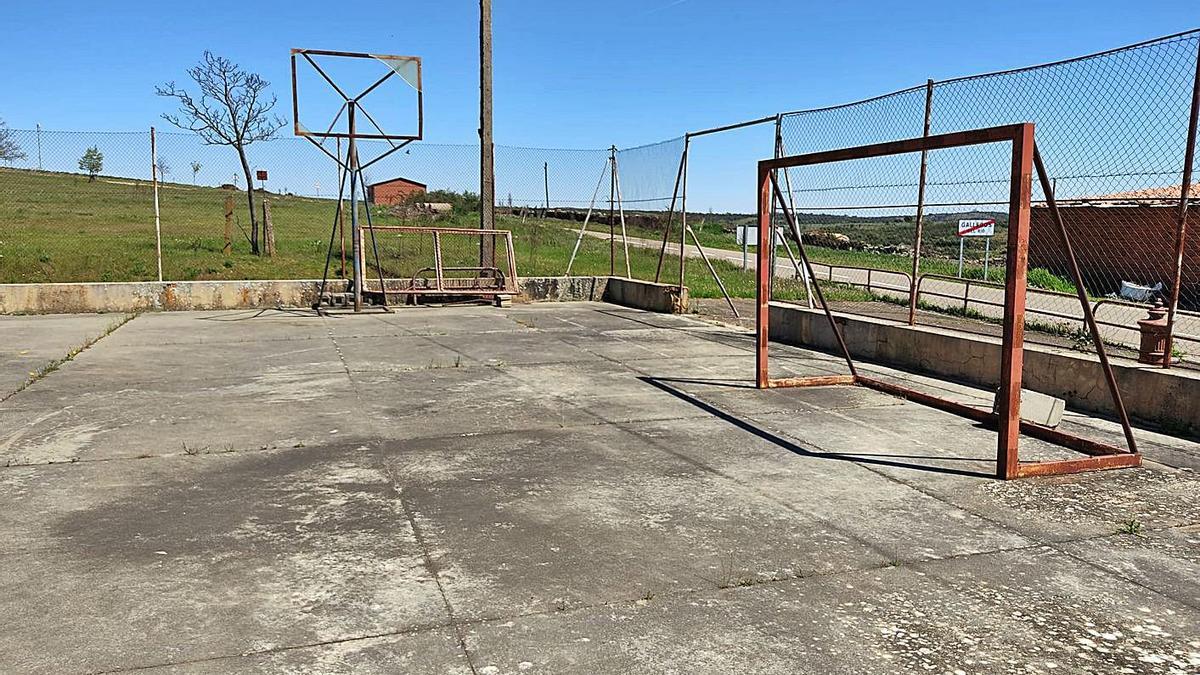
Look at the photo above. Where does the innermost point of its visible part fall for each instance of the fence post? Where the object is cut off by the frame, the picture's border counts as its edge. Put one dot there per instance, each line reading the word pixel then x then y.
pixel 787 182
pixel 683 224
pixel 612 211
pixel 268 229
pixel 157 221
pixel 916 262
pixel 228 250
pixel 1184 193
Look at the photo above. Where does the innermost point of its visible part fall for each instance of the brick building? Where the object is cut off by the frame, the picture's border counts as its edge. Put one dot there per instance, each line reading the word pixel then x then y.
pixel 1122 237
pixel 394 191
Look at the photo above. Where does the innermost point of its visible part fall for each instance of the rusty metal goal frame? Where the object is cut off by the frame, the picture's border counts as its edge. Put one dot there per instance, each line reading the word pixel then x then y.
pixel 487 282
pixel 1007 417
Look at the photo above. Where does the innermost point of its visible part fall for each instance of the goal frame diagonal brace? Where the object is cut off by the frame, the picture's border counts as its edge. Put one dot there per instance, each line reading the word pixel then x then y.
pixel 1007 419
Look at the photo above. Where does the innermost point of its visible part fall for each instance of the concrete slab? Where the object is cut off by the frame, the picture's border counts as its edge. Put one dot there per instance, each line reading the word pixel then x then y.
pixel 560 488
pixel 423 652
pixel 70 416
pixel 32 342
pixel 533 522
pixel 1036 611
pixel 156 567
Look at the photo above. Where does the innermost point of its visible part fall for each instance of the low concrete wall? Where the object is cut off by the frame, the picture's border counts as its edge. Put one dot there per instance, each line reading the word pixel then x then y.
pixel 646 295
pixel 151 295
pixel 561 289
pixel 184 295
pixel 1169 398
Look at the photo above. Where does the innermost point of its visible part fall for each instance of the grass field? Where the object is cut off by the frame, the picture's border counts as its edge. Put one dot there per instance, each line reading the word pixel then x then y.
pixel 63 228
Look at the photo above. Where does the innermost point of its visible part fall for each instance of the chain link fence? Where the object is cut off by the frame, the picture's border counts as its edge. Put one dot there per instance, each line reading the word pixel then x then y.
pixel 1112 127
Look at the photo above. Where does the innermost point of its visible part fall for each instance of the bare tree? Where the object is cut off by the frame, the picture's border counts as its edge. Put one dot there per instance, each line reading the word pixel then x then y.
pixel 232 108
pixel 9 150
pixel 163 168
pixel 195 170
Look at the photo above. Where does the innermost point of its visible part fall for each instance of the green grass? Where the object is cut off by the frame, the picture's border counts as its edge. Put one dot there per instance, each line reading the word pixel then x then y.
pixel 62 227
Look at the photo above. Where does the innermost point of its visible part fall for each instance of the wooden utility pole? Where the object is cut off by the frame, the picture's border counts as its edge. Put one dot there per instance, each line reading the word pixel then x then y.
pixel 228 249
pixel 487 179
pixel 268 229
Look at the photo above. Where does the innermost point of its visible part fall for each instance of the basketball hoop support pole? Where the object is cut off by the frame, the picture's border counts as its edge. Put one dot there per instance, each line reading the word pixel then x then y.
pixel 355 240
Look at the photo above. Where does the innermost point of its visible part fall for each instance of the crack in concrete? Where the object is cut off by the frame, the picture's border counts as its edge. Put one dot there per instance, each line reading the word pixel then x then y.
pixel 464 622
pixel 418 535
pixel 55 364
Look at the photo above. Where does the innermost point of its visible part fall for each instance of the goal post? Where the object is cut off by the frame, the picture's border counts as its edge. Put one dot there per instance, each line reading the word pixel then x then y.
pixel 1007 415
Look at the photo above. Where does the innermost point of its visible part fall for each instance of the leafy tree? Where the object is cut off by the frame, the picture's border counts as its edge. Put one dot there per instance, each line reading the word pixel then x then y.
pixel 9 150
pixel 92 162
pixel 195 171
pixel 232 108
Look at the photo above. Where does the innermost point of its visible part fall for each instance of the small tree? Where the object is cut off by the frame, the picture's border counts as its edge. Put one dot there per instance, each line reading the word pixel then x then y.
pixel 232 108
pixel 163 168
pixel 92 163
pixel 195 170
pixel 9 150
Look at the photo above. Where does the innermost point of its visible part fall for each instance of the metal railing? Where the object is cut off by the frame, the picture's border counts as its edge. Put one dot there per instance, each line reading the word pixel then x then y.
pixel 400 259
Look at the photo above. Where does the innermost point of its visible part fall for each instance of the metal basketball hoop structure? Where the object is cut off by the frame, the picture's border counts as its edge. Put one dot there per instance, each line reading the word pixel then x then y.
pixel 408 68
pixel 1007 418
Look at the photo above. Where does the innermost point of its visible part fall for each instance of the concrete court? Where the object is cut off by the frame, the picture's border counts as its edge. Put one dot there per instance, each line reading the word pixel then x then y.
pixel 554 488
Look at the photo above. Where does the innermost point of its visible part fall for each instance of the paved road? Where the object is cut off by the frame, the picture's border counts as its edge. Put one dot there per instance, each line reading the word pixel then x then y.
pixel 1044 307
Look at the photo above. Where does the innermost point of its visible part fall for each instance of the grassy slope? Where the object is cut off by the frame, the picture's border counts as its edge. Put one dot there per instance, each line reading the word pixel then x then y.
pixel 62 227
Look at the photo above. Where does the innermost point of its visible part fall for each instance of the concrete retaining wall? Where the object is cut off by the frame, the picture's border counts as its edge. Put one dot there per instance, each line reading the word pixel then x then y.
pixel 151 295
pixel 184 295
pixel 1169 398
pixel 561 289
pixel 646 295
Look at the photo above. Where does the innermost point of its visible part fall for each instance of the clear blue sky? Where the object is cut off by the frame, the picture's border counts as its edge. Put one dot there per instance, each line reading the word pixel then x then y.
pixel 568 74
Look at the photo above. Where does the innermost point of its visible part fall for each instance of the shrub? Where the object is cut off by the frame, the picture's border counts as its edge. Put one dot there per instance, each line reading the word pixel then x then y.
pixel 1039 277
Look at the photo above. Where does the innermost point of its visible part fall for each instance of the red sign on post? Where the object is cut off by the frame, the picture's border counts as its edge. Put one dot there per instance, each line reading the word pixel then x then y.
pixel 261 174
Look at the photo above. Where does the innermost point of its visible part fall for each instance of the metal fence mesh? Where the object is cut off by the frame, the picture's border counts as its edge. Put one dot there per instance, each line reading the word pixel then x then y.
pixel 1112 128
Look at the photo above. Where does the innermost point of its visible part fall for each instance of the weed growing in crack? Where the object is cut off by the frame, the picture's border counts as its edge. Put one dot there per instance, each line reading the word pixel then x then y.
pixel 1131 526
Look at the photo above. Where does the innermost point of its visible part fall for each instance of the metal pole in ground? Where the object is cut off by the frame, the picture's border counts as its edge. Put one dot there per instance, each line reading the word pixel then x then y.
pixel 1184 194
pixel 662 250
pixel 341 223
pixel 157 222
pixel 355 239
pixel 586 218
pixel 916 254
pixel 987 256
pixel 1089 317
pixel 546 183
pixel 687 145
pixel 612 195
pixel 800 272
pixel 621 211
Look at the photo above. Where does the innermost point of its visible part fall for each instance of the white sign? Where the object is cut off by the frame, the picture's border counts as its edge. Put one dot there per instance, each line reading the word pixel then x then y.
pixel 748 235
pixel 976 228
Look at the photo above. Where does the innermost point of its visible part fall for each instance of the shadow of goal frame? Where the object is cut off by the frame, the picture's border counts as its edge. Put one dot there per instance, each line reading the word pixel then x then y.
pixel 1007 418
